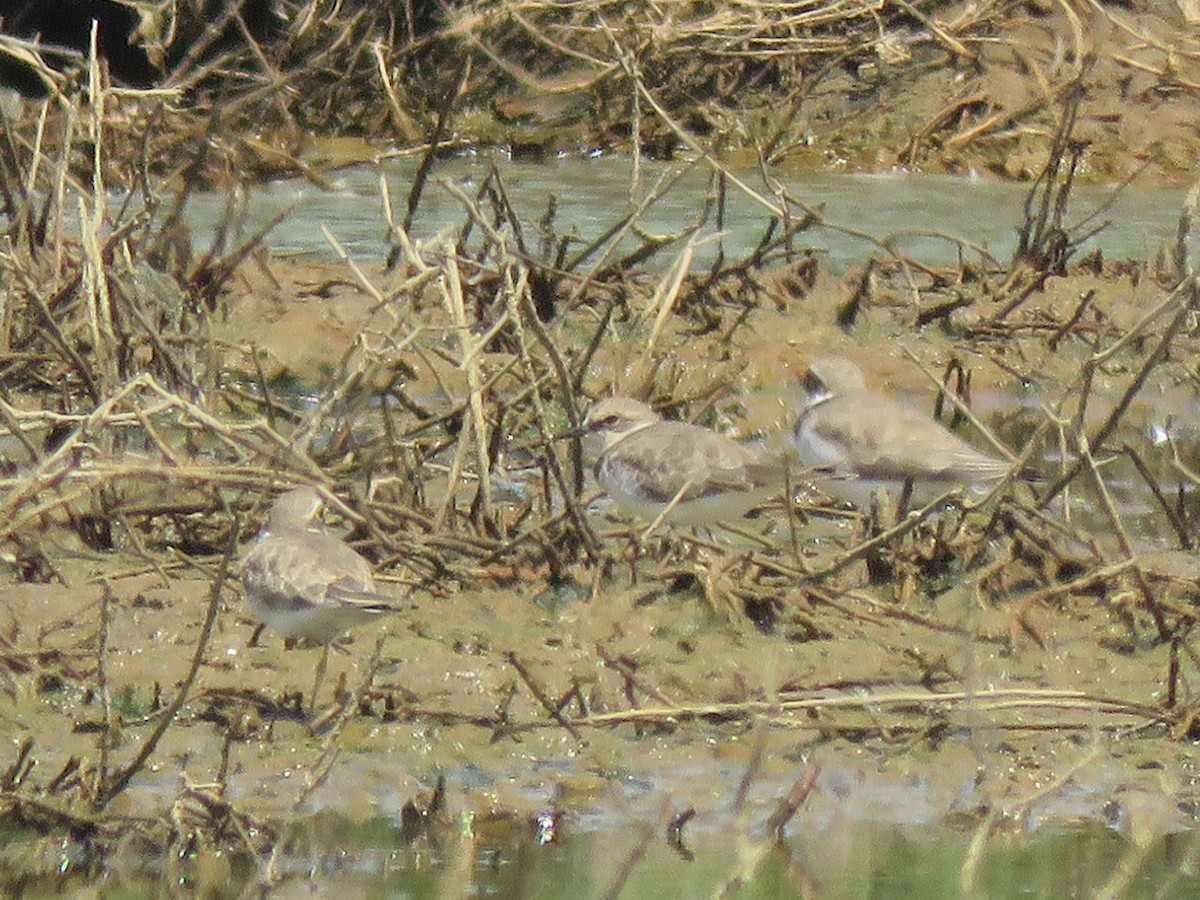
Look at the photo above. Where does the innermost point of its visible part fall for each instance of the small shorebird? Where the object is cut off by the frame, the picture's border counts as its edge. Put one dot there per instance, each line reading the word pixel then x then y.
pixel 661 470
pixel 305 583
pixel 862 440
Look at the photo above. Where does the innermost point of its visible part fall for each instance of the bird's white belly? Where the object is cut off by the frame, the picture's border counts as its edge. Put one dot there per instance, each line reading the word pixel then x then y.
pixel 321 624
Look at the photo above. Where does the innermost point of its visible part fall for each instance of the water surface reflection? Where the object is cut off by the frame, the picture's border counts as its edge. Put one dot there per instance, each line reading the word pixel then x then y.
pixel 591 194
pixel 328 856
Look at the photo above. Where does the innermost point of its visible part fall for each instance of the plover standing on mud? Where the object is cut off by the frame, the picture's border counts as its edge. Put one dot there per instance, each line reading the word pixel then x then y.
pixel 661 470
pixel 303 582
pixel 861 441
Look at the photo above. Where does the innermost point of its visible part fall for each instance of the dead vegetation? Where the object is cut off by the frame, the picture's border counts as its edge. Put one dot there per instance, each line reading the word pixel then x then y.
pixel 128 426
pixel 862 85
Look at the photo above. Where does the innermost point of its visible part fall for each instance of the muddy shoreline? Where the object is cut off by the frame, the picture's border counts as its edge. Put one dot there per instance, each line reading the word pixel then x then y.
pixel 1016 668
pixel 1019 688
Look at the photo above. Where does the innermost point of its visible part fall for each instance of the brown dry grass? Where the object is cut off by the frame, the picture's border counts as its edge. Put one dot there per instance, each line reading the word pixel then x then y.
pixel 129 427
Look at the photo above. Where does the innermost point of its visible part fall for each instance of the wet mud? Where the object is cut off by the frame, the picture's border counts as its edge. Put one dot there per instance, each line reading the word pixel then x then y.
pixel 787 688
pixel 989 680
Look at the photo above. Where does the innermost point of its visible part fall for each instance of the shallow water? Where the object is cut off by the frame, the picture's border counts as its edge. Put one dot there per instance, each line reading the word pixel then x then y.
pixel 591 193
pixel 850 859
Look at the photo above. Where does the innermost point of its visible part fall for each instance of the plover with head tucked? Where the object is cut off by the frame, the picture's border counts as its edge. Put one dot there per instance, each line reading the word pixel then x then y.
pixel 858 441
pixel 303 582
pixel 675 471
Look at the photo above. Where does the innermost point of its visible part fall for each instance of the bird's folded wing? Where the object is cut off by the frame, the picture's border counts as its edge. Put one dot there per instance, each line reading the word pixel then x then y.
pixel 898 442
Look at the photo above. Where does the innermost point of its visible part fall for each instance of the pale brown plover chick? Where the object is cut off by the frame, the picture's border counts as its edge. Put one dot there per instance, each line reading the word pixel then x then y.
pixel 303 582
pixel 661 470
pixel 858 441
